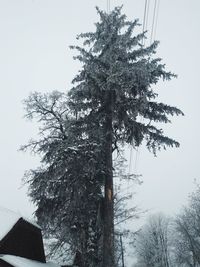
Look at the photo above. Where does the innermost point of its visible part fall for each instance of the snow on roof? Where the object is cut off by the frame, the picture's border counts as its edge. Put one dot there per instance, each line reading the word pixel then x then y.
pixel 22 262
pixel 31 222
pixel 8 219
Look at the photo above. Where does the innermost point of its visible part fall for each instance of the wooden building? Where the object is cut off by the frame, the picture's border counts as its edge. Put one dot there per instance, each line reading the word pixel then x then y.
pixel 21 243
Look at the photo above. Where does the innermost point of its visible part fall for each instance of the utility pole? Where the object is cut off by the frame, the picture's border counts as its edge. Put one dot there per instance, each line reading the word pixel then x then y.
pixel 122 250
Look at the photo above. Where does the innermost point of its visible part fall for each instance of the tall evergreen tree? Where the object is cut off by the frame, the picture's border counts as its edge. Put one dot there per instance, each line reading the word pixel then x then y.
pixel 103 111
pixel 113 90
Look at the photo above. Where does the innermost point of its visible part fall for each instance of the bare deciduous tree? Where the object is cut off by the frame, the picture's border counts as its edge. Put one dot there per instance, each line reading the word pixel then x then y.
pixel 152 244
pixel 187 232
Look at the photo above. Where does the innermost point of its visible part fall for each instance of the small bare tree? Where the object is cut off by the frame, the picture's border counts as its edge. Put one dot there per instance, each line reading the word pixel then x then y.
pixel 187 232
pixel 152 245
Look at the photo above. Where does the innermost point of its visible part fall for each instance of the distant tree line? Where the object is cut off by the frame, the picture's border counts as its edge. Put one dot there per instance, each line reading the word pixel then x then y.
pixel 169 242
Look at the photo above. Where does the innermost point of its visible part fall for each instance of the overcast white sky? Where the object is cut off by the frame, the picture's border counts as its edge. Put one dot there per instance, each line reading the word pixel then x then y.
pixel 34 55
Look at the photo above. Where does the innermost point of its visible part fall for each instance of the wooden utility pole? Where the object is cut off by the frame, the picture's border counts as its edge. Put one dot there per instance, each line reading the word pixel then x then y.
pixel 122 250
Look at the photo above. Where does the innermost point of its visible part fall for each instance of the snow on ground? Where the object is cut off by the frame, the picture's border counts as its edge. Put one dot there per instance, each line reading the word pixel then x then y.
pixel 22 262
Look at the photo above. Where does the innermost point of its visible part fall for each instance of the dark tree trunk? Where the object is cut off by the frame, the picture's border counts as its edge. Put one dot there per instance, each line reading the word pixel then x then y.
pixel 108 231
pixel 78 260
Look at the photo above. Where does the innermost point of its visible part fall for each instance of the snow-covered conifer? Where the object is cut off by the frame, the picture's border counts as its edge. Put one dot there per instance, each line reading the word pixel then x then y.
pixel 113 102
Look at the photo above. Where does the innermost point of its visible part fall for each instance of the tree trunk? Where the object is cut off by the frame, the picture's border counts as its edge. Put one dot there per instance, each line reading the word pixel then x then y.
pixel 108 231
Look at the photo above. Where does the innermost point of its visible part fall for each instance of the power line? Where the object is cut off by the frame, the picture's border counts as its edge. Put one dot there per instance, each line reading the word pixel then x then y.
pixel 147 16
pixel 130 159
pixel 108 6
pixel 153 22
pixel 144 19
pixel 145 24
pixel 129 169
pixel 156 23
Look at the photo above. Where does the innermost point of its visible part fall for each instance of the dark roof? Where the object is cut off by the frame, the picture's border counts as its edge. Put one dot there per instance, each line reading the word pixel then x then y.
pixel 20 237
pixel 21 243
pixel 15 261
pixel 8 219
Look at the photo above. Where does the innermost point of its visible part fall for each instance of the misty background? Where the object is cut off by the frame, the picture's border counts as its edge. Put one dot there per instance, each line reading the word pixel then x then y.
pixel 34 56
